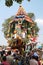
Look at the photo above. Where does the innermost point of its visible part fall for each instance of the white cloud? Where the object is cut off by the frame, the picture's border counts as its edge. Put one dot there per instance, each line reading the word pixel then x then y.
pixel 39 21
pixel 40 25
pixel 3 41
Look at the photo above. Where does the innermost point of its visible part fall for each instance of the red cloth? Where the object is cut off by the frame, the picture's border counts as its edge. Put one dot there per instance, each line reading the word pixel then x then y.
pixel 39 63
pixel 33 39
pixel 5 63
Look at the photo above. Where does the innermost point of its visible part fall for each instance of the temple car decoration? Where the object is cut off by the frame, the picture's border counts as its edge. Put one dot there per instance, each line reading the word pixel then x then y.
pixel 20 30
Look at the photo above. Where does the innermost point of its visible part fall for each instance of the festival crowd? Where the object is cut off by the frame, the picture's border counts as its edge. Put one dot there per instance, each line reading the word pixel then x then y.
pixel 9 57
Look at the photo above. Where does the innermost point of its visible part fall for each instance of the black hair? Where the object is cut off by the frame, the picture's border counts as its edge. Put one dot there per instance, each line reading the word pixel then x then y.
pixel 9 52
pixel 4 58
pixel 35 57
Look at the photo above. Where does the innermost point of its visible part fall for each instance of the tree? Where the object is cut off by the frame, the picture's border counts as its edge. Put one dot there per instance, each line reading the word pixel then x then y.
pixel 9 3
pixel 42 45
pixel 31 15
pixel 5 26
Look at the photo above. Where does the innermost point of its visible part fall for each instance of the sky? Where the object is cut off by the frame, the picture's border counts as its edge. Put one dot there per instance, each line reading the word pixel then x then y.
pixel 34 6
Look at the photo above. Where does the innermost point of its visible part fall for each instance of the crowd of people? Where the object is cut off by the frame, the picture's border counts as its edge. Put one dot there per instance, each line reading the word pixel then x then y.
pixel 10 57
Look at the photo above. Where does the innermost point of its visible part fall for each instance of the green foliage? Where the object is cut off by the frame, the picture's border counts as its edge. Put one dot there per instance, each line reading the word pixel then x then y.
pixel 35 29
pixel 42 45
pixel 28 0
pixel 9 3
pixel 31 15
pixel 19 1
pixel 6 26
